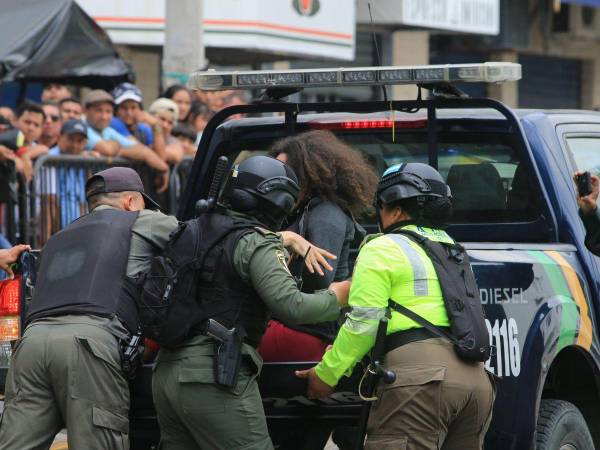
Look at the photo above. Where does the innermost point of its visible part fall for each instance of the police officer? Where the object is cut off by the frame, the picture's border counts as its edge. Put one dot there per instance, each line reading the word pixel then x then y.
pixel 67 368
pixel 251 278
pixel 437 400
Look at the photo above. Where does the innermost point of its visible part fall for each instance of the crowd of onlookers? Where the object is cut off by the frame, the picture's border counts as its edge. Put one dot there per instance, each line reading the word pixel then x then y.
pixel 110 124
pixel 119 123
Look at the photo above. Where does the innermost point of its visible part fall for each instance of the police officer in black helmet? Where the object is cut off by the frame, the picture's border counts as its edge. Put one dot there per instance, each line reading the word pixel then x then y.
pixel 246 277
pixel 439 400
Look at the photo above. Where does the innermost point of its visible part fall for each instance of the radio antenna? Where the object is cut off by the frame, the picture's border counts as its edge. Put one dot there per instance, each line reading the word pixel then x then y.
pixel 383 88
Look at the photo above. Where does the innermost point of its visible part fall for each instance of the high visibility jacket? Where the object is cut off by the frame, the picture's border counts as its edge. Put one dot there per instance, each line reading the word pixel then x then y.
pixel 389 266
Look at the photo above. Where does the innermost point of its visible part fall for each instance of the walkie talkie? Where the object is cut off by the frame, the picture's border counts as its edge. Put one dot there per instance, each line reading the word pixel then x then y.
pixel 205 205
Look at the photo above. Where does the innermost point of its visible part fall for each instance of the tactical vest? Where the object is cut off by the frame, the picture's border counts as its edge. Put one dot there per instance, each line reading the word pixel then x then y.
pixel 194 279
pixel 83 270
pixel 223 294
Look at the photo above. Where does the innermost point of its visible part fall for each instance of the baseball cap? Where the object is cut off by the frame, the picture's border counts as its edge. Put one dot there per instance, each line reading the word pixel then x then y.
pixel 126 91
pixel 165 106
pixel 74 126
pixel 119 179
pixel 97 96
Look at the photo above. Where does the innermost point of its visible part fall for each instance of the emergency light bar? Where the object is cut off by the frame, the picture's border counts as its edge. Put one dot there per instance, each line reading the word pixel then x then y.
pixel 489 72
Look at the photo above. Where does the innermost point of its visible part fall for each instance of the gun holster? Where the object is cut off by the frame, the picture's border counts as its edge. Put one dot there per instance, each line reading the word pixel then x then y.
pixel 228 356
pixel 132 351
pixel 228 352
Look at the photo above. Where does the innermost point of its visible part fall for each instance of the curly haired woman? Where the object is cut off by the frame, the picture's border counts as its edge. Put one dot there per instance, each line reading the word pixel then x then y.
pixel 336 185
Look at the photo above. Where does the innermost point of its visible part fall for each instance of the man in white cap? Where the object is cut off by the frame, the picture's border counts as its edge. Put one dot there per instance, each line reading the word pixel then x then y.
pixel 133 122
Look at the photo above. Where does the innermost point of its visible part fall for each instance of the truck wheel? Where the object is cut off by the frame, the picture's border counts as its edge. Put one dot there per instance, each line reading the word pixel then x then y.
pixel 561 427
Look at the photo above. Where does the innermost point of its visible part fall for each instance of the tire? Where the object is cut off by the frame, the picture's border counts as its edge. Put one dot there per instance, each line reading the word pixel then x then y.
pixel 561 426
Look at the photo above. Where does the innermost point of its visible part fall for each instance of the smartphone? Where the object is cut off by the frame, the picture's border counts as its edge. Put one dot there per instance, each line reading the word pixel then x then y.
pixel 584 184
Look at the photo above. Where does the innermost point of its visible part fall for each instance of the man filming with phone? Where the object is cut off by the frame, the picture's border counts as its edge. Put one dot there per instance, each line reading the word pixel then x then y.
pixel 588 188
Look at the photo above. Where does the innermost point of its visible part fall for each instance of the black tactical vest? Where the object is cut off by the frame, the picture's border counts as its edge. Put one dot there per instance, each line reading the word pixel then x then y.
pixel 83 270
pixel 194 279
pixel 224 296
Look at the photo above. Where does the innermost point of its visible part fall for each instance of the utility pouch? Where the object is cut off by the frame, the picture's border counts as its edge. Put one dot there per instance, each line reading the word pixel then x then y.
pixel 228 352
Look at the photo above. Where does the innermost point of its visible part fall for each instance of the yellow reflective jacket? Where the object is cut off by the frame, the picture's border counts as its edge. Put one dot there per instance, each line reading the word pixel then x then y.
pixel 389 266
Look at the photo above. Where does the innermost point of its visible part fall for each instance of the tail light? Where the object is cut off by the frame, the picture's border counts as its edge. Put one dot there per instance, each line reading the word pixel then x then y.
pixel 369 124
pixel 10 320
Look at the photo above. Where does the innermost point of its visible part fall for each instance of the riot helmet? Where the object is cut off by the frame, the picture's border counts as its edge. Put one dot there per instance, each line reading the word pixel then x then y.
pixel 419 187
pixel 264 188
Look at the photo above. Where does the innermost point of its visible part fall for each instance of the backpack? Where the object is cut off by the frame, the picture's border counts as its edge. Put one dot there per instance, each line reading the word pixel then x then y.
pixel 168 305
pixel 469 332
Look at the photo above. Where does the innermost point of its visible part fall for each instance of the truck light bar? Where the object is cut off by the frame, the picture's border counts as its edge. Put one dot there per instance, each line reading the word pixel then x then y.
pixel 489 72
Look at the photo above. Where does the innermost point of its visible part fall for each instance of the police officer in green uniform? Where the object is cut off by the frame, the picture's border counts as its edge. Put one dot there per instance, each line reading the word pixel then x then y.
pixel 66 371
pixel 438 401
pixel 245 278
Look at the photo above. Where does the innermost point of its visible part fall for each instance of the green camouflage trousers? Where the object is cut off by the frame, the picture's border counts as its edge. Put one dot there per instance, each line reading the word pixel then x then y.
pixel 66 372
pixel 195 413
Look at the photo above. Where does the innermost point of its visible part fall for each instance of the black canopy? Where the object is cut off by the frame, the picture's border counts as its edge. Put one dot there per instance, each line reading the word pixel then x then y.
pixel 55 40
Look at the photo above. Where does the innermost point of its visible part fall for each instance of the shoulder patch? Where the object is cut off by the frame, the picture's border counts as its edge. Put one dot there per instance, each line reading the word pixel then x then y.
pixel 281 258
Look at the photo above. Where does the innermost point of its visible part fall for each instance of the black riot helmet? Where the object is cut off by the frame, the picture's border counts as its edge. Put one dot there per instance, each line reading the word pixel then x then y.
pixel 419 188
pixel 410 180
pixel 263 187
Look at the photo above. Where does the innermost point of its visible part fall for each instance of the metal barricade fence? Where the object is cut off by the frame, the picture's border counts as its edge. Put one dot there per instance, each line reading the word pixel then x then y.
pixel 179 178
pixel 57 191
pixel 32 212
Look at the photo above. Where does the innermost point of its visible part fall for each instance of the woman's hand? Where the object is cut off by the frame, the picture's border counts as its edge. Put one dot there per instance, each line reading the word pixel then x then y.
pixel 588 203
pixel 314 257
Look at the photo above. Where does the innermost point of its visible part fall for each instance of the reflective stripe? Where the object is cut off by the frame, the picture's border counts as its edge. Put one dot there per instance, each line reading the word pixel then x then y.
pixel 364 320
pixel 418 267
pixel 367 313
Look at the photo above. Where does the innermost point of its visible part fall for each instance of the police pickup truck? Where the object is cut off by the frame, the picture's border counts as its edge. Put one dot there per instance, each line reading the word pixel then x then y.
pixel 514 210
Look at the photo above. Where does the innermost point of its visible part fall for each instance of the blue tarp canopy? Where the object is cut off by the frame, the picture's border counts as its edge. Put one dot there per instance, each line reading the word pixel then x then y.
pixel 595 3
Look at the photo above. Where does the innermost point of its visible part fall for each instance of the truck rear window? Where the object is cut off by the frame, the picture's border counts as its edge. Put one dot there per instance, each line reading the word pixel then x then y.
pixel 489 182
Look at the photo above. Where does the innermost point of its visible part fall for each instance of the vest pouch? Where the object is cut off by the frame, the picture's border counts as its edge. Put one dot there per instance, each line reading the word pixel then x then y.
pixel 157 288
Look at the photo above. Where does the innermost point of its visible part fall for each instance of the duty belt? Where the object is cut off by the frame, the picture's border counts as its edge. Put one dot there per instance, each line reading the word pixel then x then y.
pixel 400 338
